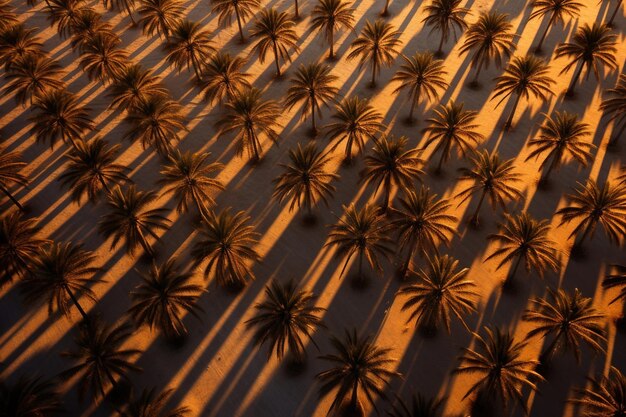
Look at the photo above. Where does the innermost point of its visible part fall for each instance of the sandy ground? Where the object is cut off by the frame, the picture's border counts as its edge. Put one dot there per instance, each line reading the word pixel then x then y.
pixel 218 372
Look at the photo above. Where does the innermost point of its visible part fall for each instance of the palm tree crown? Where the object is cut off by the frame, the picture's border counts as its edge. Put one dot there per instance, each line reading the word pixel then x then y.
pixel 616 279
pixel 30 397
pixel 130 219
pixel 603 396
pixel 160 16
pixel 590 47
pixel 524 77
pixel 306 179
pixel 274 30
pixel 227 242
pixel 568 319
pixel 491 177
pixel 423 223
pixel 188 178
pixel 189 46
pixel 442 290
pixel 376 46
pixel 420 74
pixel 452 127
pixel 60 274
pixel 363 233
pixel 419 406
pixel 31 76
pixel 445 16
pixel 594 205
pixel 359 367
pixel 561 137
pixel 285 320
pixel 101 57
pixel 490 38
pixel 92 169
pixel 391 165
pixel 99 357
pixel 496 361
pixel 222 77
pixel 19 245
pixel 312 86
pixel 163 297
pixel 615 106
pixel 355 121
pixel 522 238
pixel 248 115
pixel 557 10
pixel 241 9
pixel 135 86
pixel 149 404
pixel 11 166
pixel 329 16
pixel 18 42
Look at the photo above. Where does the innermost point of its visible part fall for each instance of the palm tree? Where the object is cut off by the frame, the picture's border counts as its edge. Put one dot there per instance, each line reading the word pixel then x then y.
pixel 615 279
pixel 445 16
pixel 329 16
pixel 7 15
pixel 135 85
pixel 502 373
pixel 568 320
pixel 163 297
pixel 222 77
pixel 593 205
pixel 86 23
pixel 525 76
pixel 522 238
pixel 419 74
pixel 155 122
pixel 305 180
pixel 355 121
pixel 274 30
pixel 590 47
pixel 491 177
pixel 59 275
pixel 19 245
pixel 363 233
pixel 241 9
pixel 58 115
pixel 614 14
pixel 226 242
pixel 557 10
pixel 422 223
pixel 18 42
pixel 603 396
pixel 31 76
pixel 376 46
pixel 64 14
pixel 129 218
pixel 92 169
pixel 188 178
pixel 490 39
pixel 358 367
pixel 188 45
pixel 561 138
pixel 249 116
pixel 29 397
pixel 149 404
pixel 11 165
pixel 452 126
pixel 160 16
pixel 312 86
pixel 285 320
pixel 442 290
pixel 391 165
pixel 615 107
pixel 102 59
pixel 419 406
pixel 100 360
pixel 119 5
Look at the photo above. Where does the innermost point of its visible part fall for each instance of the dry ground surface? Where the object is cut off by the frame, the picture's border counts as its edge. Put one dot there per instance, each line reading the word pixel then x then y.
pixel 218 371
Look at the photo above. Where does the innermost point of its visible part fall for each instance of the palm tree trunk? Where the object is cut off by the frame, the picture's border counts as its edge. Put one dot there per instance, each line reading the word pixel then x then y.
pixel 201 208
pixel 547 354
pixel 144 243
pixel 130 14
pixel 511 275
pixel 374 65
pixel 478 69
pixel 440 164
pixel 407 263
pixel 297 14
pixel 616 136
pixel 545 33
pixel 580 241
pixel 619 4
pixel 239 25
pixel 509 121
pixel 354 398
pixel 255 149
pixel 574 82
pixel 76 303
pixel 331 38
pixel 440 49
pixel 474 218
pixel 196 66
pixel 13 199
pixel 385 11
pixel 387 187
pixel 360 272
pixel 414 104
pixel 276 60
pixel 313 127
pixel 553 163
